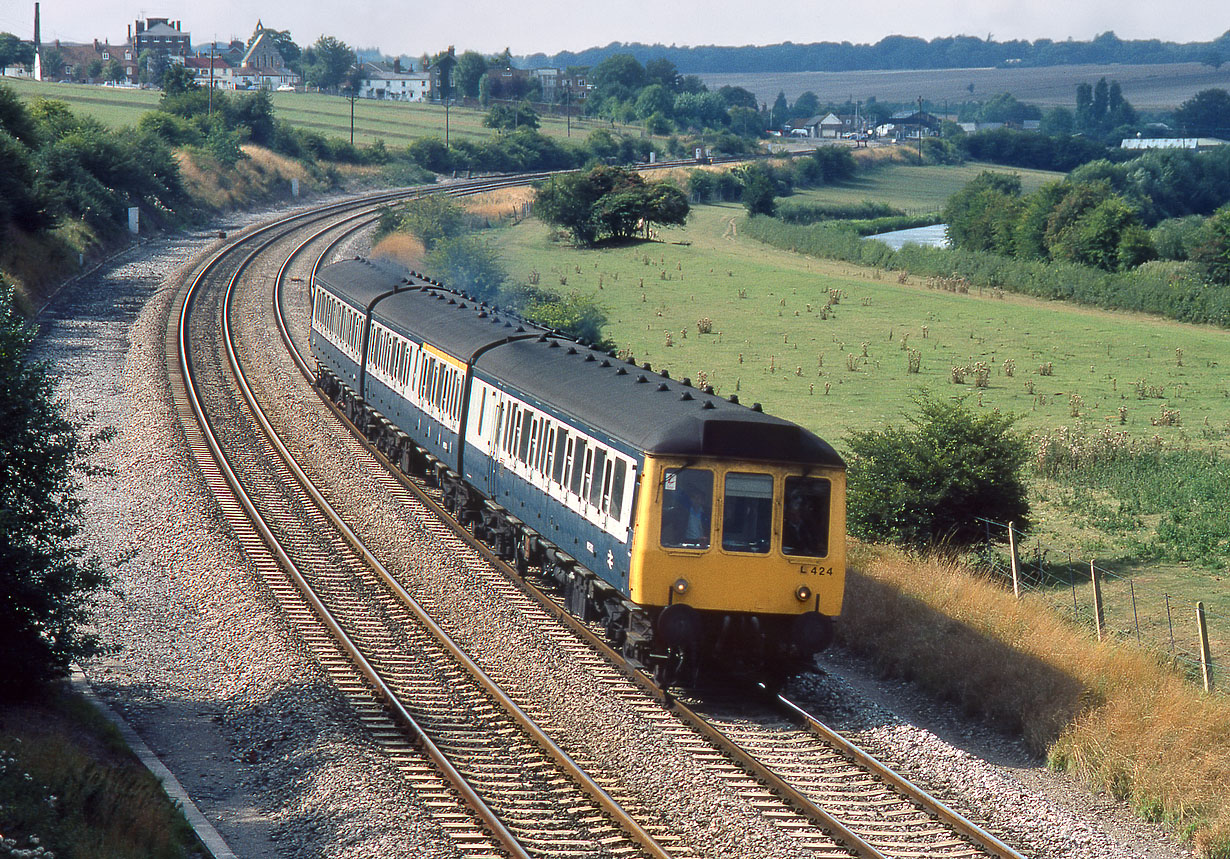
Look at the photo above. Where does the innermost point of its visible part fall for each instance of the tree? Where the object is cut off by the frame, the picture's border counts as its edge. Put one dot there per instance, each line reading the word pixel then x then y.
pixel 662 72
pixel 619 76
pixel 53 64
pixel 608 202
pixel 927 483
pixel 509 117
pixel 113 71
pixel 331 60
pixel 13 51
pixel 1206 114
pixel 177 80
pixel 779 114
pixel 1212 253
pixel 94 70
pixel 286 46
pixel 469 265
pixel 471 66
pixel 152 65
pixel 759 193
pixel 46 578
pixel 982 216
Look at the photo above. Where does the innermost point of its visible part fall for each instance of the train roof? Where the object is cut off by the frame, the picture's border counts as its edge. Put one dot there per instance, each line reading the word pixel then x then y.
pixel 646 410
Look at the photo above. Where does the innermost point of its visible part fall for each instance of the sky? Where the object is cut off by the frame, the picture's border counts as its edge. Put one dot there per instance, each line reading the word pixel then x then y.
pixel 550 26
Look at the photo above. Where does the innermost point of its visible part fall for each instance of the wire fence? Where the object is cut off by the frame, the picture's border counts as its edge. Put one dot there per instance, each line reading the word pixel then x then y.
pixel 1193 636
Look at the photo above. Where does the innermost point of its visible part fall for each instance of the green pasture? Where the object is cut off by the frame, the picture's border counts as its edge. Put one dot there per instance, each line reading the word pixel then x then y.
pixel 771 343
pixel 912 188
pixel 397 123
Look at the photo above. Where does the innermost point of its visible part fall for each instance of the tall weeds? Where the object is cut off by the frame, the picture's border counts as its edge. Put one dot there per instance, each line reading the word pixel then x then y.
pixel 1111 714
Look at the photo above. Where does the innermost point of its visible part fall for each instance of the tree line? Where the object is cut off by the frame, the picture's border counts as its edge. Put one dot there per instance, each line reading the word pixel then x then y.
pixel 902 52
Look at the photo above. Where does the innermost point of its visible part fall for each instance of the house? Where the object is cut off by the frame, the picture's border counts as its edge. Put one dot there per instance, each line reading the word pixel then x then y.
pixel 385 81
pixel 159 36
pixel 261 66
pixel 910 125
pixel 207 69
pixel 79 59
pixel 1197 144
pixel 442 71
pixel 561 87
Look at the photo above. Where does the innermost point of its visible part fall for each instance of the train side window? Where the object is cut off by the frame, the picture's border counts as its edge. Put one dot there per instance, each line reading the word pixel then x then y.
pixel 805 517
pixel 527 436
pixel 617 489
pixel 598 475
pixel 561 455
pixel 547 451
pixel 747 517
pixel 605 497
pixel 687 508
pixel 577 466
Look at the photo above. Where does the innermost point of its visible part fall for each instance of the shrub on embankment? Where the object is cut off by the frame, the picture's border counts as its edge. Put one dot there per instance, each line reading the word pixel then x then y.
pixel 1177 293
pixel 1111 714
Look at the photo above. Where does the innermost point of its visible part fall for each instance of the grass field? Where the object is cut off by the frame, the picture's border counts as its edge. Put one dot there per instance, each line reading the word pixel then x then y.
pixel 394 122
pixel 1154 87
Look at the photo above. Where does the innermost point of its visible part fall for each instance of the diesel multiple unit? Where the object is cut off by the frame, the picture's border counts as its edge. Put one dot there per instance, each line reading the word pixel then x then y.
pixel 696 530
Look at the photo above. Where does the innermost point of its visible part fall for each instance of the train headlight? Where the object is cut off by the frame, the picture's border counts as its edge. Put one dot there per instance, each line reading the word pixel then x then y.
pixel 802 593
pixel 680 586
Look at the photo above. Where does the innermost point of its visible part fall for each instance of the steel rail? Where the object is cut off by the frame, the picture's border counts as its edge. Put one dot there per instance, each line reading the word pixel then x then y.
pixel 527 724
pixel 459 783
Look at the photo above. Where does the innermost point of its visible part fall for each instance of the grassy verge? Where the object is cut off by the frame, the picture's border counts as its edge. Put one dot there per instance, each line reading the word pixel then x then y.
pixel 1112 714
pixel 68 784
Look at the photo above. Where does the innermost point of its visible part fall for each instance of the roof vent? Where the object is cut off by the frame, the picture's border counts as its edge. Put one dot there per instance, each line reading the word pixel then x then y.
pixel 687 383
pixel 687 395
pixel 482 314
pixel 462 306
pixel 662 386
pixel 708 389
pixel 542 338
pixel 734 398
pixel 640 379
pixel 520 329
pixel 590 357
pixel 646 366
pixel 605 363
pixel 708 405
pixel 508 325
pixel 621 372
pixel 666 374
pixel 756 407
pixel 572 350
pixel 452 301
pixel 554 344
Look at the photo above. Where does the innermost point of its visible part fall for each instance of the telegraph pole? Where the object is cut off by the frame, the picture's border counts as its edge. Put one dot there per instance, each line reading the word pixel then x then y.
pixel 920 128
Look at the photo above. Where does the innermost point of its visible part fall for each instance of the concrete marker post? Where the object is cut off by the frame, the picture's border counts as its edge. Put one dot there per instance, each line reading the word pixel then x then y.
pixel 1206 658
pixel 1016 574
pixel 1097 598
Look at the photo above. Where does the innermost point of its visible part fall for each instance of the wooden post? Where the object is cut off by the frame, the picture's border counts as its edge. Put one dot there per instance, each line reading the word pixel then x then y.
pixel 1097 598
pixel 1206 659
pixel 1016 575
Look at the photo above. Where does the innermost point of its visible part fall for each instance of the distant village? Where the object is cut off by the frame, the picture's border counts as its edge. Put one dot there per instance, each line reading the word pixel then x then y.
pixel 255 64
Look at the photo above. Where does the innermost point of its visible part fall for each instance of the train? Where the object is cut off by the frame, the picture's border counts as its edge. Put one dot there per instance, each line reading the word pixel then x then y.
pixel 700 533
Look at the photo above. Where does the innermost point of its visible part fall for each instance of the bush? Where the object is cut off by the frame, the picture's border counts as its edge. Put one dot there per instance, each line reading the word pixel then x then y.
pixel 926 484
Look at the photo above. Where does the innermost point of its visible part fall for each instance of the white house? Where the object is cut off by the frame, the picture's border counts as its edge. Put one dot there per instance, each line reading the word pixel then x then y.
pixel 382 81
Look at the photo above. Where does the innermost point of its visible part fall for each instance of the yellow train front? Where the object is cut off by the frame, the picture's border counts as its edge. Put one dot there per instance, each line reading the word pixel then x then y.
pixel 741 562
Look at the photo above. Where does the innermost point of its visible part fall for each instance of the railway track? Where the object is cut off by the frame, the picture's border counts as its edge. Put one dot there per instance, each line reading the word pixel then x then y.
pixel 824 797
pixel 499 786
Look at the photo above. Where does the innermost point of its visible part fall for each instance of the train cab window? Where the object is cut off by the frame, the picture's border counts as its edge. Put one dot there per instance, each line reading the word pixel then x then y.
pixel 747 517
pixel 805 517
pixel 687 508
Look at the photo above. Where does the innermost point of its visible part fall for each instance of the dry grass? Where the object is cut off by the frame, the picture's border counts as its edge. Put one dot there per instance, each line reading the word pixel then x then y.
pixel 504 203
pixel 261 176
pixel 37 264
pixel 402 248
pixel 1109 712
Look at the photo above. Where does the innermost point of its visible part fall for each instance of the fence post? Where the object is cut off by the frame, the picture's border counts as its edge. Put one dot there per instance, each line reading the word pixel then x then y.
pixel 1016 581
pixel 1206 660
pixel 1097 598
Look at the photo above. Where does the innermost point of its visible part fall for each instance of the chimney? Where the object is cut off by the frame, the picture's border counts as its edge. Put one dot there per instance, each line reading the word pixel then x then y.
pixel 130 32
pixel 397 65
pixel 37 39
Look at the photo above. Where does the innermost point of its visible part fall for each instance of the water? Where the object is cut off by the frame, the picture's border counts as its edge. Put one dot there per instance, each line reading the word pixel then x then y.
pixel 935 236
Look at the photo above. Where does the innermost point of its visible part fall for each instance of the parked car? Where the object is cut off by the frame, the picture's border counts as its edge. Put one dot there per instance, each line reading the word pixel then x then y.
pixel 286 88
